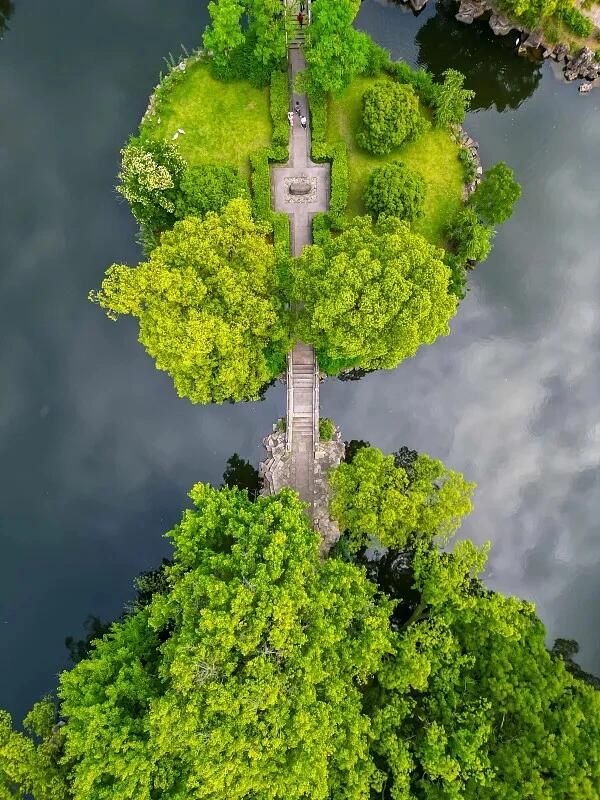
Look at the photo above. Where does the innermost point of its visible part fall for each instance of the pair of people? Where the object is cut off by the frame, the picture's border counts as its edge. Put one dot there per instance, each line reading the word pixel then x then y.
pixel 298 110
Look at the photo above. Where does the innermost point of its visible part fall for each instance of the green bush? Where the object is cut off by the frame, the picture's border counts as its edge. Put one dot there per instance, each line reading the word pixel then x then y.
pixel 261 196
pixel 320 228
pixel 208 188
pixel 390 117
pixel 457 284
pixel 420 80
pixel 452 100
pixel 280 104
pixel 471 239
pixel 496 195
pixel 396 190
pixel 326 429
pixel 337 154
pixel 468 163
pixel 574 19
pixel 317 102
pixel 242 63
pixel 377 59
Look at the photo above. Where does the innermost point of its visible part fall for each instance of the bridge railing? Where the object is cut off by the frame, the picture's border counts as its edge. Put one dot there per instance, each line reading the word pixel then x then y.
pixel 290 402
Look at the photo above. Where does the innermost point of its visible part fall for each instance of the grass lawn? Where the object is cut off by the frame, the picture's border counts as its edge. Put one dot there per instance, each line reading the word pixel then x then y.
pixel 223 122
pixel 434 155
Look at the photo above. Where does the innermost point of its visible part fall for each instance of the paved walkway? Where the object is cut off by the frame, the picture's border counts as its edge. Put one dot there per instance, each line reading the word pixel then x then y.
pixel 302 432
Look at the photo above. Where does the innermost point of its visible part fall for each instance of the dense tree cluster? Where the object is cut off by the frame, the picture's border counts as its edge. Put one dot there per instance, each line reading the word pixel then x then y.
pixel 390 117
pixel 207 306
pixel 451 99
pixel 256 668
pixel 372 295
pixel 396 190
pixel 494 199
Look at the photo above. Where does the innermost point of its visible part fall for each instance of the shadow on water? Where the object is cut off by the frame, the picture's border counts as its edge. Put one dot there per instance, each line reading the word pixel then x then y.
pixel 7 8
pixel 499 77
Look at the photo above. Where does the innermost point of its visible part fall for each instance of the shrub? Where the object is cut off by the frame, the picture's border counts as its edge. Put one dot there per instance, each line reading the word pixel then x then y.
pixel 377 59
pixel 261 196
pixel 279 102
pixel 208 188
pixel 390 117
pixel 496 195
pixel 420 80
pixel 150 177
pixel 337 154
pixel 395 189
pixel 471 239
pixel 317 101
pixel 326 429
pixel 468 162
pixel 574 19
pixel 457 284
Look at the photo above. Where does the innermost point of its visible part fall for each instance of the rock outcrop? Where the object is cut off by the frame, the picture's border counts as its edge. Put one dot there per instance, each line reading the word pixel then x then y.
pixel 472 9
pixel 584 65
pixel 500 25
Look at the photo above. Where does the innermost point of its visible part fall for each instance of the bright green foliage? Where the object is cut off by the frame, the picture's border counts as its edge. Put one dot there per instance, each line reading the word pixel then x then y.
pixel 267 30
pixel 336 52
pixel 225 32
pixel 472 706
pixel 209 188
pixel 326 429
pixel 244 680
pixel 494 198
pixel 206 306
pixel 149 180
pixel 372 295
pixel 452 100
pixel 374 498
pixel 279 104
pixel 27 768
pixel 472 241
pixel 390 117
pixel 397 190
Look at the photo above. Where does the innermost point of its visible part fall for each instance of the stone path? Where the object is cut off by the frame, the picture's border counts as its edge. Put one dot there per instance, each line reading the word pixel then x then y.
pixel 297 459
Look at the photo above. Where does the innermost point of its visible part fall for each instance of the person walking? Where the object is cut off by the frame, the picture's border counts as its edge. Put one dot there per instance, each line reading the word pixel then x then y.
pixel 300 19
pixel 297 108
pixel 303 121
pixel 291 118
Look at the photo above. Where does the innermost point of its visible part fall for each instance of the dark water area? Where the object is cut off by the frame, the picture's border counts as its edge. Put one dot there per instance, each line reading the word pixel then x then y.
pixel 98 453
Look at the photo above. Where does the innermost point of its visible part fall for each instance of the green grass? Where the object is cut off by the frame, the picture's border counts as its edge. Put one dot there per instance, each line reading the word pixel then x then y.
pixel 223 122
pixel 434 155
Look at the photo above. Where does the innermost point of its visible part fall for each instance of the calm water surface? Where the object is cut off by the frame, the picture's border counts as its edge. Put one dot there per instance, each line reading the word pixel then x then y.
pixel 98 453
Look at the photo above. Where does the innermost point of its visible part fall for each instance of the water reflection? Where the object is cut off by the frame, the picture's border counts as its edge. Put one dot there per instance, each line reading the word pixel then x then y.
pixel 7 8
pixel 499 77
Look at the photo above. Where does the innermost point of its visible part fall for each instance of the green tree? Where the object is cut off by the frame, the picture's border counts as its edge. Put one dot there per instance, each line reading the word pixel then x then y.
pixel 471 706
pixel 267 31
pixel 335 52
pixel 494 199
pixel 209 188
pixel 373 498
pixel 225 32
pixel 28 768
pixel 244 680
pixel 452 100
pixel 471 240
pixel 371 296
pixel 150 175
pixel 390 117
pixel 396 190
pixel 206 305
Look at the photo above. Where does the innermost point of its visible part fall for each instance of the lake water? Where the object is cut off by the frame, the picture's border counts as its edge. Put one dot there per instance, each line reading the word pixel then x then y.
pixel 98 453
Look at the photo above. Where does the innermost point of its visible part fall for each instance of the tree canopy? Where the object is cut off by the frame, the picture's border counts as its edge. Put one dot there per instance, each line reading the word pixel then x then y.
pixel 206 304
pixel 451 99
pixel 395 189
pixel 472 241
pixel 209 187
pixel 494 199
pixel 374 498
pixel 244 679
pixel 390 117
pixel 336 52
pixel 372 295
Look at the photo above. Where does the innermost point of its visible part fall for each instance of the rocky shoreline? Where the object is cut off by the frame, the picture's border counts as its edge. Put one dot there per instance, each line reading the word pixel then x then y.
pixel 581 65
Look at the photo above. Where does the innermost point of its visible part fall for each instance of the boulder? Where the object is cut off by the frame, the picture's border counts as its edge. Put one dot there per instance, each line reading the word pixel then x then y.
pixel 471 9
pixel 500 25
pixel 583 65
pixel 300 187
pixel 585 88
pixel 560 52
pixel 533 41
